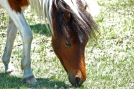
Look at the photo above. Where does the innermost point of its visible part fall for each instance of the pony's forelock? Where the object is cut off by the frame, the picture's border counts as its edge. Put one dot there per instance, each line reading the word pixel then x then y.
pixel 81 21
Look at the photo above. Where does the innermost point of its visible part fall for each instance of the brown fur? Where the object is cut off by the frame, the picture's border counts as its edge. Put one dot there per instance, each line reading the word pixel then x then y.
pixel 70 38
pixel 18 4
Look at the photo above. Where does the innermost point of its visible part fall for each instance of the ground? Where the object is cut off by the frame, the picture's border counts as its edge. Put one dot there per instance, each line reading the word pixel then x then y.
pixel 109 58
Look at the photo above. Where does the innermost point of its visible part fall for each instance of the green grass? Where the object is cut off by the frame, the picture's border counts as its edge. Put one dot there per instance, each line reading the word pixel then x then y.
pixel 109 60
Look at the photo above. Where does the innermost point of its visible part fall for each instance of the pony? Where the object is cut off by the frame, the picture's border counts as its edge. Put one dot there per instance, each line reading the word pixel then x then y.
pixel 71 26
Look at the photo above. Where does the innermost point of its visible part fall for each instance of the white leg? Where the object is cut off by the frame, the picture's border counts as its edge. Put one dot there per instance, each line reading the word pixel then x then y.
pixel 26 34
pixel 11 34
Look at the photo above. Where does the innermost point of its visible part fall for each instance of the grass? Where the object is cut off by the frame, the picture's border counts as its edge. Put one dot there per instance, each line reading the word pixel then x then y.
pixel 109 60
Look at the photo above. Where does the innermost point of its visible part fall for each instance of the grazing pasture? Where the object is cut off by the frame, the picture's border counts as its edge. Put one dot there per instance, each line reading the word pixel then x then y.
pixel 109 59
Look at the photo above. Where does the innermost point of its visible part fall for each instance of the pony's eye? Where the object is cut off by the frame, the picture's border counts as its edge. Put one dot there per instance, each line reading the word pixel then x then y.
pixel 68 43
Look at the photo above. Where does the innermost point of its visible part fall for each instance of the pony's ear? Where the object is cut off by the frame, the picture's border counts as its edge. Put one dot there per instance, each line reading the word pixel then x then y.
pixel 67 16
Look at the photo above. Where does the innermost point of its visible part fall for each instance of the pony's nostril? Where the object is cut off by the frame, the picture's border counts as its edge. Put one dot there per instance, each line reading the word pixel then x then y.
pixel 77 82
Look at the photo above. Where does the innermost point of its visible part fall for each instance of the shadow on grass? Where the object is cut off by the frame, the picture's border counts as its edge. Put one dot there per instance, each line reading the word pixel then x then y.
pixel 40 29
pixel 7 81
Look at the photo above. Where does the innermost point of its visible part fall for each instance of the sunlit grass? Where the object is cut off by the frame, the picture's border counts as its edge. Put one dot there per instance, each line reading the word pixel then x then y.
pixel 109 60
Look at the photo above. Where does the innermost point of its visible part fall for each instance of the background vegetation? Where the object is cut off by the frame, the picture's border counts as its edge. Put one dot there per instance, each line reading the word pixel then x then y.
pixel 109 60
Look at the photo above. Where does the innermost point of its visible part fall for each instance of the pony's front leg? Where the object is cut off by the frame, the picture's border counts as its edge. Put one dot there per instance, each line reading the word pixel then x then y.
pixel 26 34
pixel 11 34
pixel 27 37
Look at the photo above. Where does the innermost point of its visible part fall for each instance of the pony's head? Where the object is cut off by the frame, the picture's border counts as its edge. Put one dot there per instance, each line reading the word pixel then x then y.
pixel 72 26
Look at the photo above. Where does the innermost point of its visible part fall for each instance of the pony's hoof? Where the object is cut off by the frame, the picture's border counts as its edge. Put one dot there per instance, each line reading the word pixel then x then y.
pixel 9 68
pixel 9 72
pixel 29 80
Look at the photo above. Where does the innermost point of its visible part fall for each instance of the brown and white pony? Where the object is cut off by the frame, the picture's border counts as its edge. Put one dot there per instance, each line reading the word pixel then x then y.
pixel 71 25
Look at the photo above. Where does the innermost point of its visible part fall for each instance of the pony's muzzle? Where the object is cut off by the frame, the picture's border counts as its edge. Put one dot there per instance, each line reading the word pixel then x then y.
pixel 76 80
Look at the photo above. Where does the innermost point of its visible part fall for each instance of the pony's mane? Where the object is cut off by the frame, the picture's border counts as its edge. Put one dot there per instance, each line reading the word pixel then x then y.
pixel 72 15
pixel 80 21
pixel 43 9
